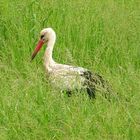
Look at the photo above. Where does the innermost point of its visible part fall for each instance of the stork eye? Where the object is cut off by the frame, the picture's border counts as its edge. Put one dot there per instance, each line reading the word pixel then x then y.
pixel 42 36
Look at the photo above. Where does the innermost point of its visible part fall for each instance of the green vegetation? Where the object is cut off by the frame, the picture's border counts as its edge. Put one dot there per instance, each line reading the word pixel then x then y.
pixel 101 35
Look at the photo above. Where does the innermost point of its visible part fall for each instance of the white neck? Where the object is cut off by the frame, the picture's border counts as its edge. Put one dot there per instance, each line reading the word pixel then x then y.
pixel 48 60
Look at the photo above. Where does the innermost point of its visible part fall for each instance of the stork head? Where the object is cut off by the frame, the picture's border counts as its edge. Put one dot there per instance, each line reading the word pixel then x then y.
pixel 47 36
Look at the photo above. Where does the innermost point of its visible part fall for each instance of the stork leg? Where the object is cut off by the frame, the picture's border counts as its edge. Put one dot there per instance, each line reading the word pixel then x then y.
pixel 68 92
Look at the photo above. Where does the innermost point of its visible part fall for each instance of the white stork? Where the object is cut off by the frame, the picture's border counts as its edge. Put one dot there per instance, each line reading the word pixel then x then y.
pixel 66 77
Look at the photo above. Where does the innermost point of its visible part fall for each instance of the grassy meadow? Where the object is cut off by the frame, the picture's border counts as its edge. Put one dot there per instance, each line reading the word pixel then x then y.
pixel 101 35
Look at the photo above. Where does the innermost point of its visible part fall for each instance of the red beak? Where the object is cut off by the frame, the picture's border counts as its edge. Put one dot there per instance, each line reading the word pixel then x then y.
pixel 38 47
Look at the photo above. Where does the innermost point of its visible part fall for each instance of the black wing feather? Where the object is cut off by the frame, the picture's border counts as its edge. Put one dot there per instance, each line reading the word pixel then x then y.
pixel 94 82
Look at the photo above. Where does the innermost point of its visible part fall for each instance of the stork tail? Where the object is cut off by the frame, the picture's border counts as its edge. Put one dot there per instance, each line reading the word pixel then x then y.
pixel 95 82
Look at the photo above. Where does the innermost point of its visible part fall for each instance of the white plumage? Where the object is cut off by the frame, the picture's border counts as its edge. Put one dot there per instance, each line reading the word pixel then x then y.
pixel 67 77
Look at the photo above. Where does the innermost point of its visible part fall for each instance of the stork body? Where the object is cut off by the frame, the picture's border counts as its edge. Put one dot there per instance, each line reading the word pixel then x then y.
pixel 66 77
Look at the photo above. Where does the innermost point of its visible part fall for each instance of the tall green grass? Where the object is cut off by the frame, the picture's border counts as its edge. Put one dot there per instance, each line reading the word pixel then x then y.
pixel 101 35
